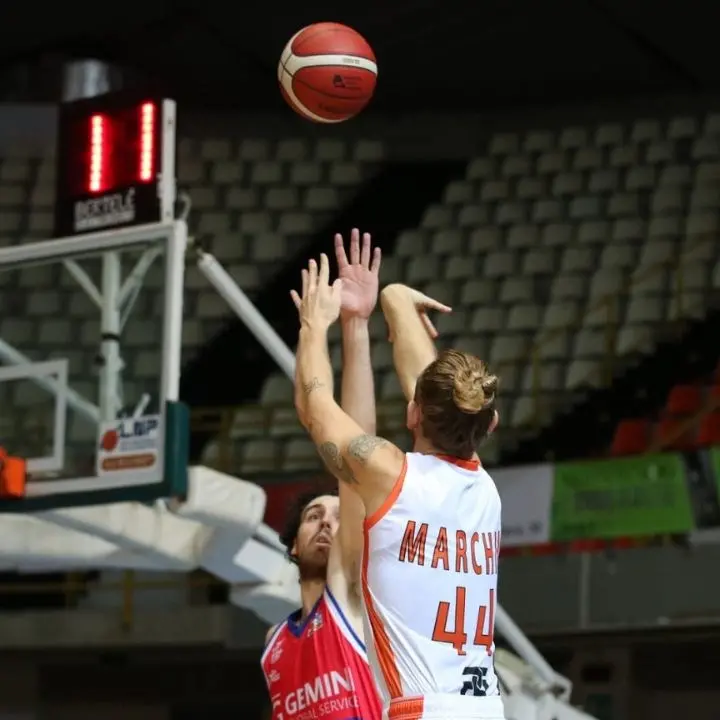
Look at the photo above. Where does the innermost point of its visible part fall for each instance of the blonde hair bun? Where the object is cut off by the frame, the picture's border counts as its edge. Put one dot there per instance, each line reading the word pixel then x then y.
pixel 474 389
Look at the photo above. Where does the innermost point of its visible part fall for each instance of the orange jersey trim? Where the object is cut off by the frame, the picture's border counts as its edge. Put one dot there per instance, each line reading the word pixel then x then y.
pixel 473 465
pixel 383 649
pixel 384 509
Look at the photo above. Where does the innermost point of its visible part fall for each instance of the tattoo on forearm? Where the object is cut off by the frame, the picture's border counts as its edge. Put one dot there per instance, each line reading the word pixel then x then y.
pixel 311 385
pixel 363 446
pixel 333 459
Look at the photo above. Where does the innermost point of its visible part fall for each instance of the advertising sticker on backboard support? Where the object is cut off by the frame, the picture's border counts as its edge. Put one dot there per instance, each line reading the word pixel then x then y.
pixel 130 446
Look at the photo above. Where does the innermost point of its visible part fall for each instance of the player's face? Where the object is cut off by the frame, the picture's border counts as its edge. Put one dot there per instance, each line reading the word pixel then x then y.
pixel 317 529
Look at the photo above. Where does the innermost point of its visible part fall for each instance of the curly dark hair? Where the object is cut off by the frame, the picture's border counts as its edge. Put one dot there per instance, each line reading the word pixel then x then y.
pixel 294 518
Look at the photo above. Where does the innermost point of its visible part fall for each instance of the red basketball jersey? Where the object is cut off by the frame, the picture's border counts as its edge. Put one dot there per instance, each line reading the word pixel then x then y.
pixel 318 668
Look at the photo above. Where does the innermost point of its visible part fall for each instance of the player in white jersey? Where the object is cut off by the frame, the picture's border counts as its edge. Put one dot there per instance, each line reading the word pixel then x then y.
pixel 432 528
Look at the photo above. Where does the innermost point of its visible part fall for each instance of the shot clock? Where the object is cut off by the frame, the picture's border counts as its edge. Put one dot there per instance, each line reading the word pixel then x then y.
pixel 116 163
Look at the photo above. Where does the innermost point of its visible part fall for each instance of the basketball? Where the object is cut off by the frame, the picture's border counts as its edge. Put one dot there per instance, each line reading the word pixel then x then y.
pixel 327 72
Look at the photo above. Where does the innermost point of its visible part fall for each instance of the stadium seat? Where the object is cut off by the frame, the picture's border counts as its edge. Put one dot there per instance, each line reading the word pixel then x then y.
pixel 683 400
pixel 631 437
pixel 709 430
pixel 713 397
pixel 673 433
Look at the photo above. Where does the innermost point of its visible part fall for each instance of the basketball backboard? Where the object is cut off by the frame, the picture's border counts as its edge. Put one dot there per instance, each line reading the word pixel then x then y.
pixel 90 334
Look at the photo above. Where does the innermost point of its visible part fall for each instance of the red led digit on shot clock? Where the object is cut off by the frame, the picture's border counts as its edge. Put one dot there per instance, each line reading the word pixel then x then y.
pixel 102 174
pixel 147 143
pixel 97 167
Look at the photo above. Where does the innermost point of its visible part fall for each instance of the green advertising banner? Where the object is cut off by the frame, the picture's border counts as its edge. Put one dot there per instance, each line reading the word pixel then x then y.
pixel 643 495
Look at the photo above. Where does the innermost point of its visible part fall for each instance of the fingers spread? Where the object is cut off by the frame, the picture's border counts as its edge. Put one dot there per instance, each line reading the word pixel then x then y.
pixel 376 258
pixel 433 304
pixel 305 282
pixel 365 250
pixel 312 276
pixel 340 254
pixel 440 307
pixel 324 277
pixel 429 326
pixel 337 289
pixel 295 298
pixel 355 246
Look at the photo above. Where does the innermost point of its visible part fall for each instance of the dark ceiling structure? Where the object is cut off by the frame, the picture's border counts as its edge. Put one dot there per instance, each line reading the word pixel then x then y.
pixel 431 54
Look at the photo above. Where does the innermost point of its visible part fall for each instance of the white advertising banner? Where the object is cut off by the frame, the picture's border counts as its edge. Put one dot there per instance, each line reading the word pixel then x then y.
pixel 526 493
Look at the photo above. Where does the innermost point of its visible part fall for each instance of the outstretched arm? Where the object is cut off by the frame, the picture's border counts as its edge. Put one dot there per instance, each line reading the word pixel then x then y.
pixel 357 398
pixel 411 332
pixel 357 395
pixel 364 461
pixel 368 463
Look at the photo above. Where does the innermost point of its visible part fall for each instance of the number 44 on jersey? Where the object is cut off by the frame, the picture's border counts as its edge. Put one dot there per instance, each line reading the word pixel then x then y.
pixel 457 636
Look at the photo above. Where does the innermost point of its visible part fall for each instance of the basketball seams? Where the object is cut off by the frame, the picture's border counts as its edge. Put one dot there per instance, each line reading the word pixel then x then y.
pixel 347 55
pixel 310 36
pixel 297 62
pixel 324 29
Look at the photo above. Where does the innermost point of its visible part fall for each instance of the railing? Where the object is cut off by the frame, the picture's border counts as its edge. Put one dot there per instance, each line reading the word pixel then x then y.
pixel 222 423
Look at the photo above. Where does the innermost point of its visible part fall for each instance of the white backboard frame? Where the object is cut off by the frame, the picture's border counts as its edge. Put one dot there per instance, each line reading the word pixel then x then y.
pixel 51 375
pixel 173 237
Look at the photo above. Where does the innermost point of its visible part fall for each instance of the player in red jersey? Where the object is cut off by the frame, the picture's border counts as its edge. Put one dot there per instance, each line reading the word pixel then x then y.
pixel 314 662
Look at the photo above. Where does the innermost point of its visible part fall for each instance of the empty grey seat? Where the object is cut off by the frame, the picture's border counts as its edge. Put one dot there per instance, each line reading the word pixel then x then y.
pixel 478 292
pixel 518 289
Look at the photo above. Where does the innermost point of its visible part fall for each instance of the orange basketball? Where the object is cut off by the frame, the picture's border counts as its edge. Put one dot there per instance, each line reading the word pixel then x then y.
pixel 327 72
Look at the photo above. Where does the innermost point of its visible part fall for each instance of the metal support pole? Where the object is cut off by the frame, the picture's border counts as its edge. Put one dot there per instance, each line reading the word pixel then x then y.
pixel 523 646
pixel 130 290
pixel 247 312
pixel 84 281
pixel 172 328
pixel 111 367
pixel 134 280
pixel 86 79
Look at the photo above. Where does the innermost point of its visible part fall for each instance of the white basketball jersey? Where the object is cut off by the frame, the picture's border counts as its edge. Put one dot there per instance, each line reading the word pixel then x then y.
pixel 430 572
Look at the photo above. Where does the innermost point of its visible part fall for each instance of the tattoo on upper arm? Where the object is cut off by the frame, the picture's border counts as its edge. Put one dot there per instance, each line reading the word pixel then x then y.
pixel 335 463
pixel 311 385
pixel 362 447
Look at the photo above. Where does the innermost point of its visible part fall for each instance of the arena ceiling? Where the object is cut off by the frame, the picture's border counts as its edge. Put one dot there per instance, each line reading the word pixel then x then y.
pixel 431 54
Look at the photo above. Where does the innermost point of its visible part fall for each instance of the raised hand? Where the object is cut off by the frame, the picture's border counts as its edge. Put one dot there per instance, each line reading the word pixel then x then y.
pixel 319 304
pixel 423 303
pixel 359 275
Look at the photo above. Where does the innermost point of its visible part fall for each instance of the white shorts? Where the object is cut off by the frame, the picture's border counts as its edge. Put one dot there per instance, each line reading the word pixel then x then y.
pixel 446 707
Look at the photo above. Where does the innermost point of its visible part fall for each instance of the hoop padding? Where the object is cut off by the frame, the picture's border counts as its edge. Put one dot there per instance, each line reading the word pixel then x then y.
pixel 238 505
pixel 271 601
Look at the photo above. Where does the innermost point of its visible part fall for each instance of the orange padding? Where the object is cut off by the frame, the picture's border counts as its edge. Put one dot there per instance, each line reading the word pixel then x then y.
pixel 13 474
